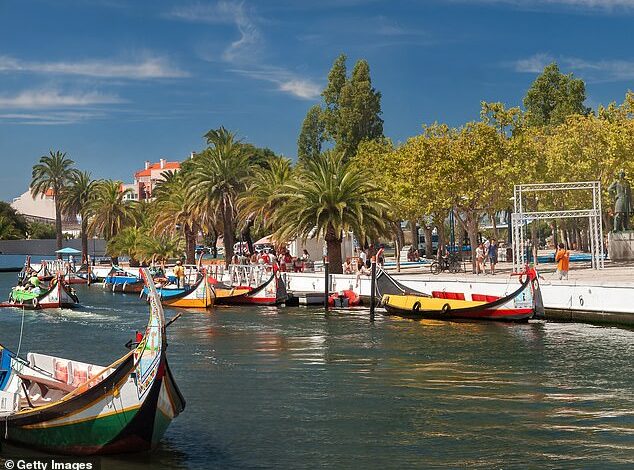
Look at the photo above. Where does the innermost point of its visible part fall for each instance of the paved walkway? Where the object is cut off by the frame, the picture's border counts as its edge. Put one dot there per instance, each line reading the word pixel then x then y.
pixel 614 273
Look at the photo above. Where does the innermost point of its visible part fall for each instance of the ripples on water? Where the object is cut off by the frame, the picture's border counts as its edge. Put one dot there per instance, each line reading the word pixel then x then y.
pixel 291 388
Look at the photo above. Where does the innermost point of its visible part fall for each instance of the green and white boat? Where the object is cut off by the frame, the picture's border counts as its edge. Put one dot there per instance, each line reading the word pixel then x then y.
pixel 70 407
pixel 57 295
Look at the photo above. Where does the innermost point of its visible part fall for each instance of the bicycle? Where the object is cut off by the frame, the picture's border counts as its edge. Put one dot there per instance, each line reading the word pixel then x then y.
pixel 452 263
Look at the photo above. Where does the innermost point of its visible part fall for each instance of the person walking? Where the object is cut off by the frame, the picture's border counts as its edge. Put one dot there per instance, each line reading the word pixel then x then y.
pixel 562 257
pixel 493 255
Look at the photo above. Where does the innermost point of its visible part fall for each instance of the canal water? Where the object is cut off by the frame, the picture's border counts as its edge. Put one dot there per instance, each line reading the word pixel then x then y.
pixel 292 388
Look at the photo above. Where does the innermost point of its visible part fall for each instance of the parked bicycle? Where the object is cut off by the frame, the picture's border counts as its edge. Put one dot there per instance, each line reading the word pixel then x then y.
pixel 452 263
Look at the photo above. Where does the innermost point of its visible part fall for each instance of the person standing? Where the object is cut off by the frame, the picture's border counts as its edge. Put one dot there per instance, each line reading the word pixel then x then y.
pixel 562 257
pixel 479 254
pixel 380 255
pixel 179 272
pixel 493 255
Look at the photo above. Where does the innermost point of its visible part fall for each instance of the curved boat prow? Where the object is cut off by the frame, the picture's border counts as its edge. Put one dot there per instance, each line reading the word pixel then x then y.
pixel 69 407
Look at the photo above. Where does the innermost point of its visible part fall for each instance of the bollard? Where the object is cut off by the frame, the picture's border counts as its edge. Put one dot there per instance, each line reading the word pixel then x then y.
pixel 326 283
pixel 373 288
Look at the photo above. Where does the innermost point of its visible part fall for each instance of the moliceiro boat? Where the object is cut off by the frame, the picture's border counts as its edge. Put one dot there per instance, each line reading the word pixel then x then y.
pixel 70 407
pixel 270 292
pixel 198 295
pixel 119 280
pixel 58 295
pixel 522 303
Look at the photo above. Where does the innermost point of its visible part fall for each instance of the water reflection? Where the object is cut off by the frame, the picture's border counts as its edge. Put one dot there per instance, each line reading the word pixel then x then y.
pixel 294 388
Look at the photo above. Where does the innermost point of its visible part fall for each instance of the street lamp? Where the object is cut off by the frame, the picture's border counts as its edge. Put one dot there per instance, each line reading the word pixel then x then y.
pixel 94 241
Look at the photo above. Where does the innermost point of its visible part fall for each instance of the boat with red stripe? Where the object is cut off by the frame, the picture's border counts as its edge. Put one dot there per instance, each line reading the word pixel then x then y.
pixel 521 304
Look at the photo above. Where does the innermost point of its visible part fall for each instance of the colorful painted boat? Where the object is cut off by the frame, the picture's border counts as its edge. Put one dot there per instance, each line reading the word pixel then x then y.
pixel 69 407
pixel 519 305
pixel 225 295
pixel 200 295
pixel 271 292
pixel 119 280
pixel 58 295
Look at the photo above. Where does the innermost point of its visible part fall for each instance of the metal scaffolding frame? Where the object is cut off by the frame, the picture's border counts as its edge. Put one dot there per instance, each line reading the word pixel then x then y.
pixel 520 218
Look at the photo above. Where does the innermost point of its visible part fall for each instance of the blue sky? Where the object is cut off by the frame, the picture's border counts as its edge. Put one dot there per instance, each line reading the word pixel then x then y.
pixel 115 82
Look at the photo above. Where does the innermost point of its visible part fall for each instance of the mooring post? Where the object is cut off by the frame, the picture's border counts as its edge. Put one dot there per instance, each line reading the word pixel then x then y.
pixel 373 288
pixel 326 283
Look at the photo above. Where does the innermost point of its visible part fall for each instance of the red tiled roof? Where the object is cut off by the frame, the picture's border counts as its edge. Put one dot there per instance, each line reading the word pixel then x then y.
pixel 157 166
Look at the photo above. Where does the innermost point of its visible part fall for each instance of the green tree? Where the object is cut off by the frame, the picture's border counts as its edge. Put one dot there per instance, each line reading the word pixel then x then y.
pixel 258 156
pixel 311 136
pixel 74 199
pixel 128 242
pixel 337 78
pixel 477 172
pixel 218 178
pixel 358 117
pixel 330 196
pixel 109 211
pixel 14 218
pixel 160 248
pixel 263 193
pixel 175 210
pixel 53 172
pixel 8 230
pixel 553 96
pixel 40 231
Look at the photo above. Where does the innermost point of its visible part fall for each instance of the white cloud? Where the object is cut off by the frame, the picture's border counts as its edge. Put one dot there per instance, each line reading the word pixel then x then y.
pixel 49 119
pixel 245 53
pixel 38 99
pixel 605 5
pixel 301 88
pixel 604 70
pixel 147 68
pixel 533 64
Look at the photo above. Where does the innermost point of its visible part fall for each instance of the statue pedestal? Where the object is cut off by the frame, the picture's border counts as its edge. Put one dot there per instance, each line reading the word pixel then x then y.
pixel 621 246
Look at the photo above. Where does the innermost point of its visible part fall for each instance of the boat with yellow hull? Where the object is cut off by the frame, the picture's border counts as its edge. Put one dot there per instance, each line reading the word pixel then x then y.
pixel 520 305
pixel 200 295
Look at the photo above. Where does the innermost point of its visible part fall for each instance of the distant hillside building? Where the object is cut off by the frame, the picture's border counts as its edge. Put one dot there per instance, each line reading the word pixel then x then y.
pixel 42 209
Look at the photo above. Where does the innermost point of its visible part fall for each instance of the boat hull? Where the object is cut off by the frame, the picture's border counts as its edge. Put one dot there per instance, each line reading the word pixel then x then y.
pixel 109 430
pixel 518 306
pixel 58 296
pixel 124 407
pixel 201 295
pixel 272 292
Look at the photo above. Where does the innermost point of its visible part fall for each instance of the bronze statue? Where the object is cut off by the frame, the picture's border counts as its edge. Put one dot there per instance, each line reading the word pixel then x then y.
pixel 622 202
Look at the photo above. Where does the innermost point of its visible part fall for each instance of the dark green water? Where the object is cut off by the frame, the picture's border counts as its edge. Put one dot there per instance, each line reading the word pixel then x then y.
pixel 290 388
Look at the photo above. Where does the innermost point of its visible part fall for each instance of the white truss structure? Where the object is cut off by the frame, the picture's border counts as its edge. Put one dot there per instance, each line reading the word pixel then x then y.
pixel 520 218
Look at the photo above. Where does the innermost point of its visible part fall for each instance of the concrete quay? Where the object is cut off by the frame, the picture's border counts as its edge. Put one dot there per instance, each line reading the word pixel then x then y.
pixel 595 296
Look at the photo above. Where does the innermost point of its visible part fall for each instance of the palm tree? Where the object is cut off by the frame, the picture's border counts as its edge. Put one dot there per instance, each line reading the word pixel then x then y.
pixel 53 173
pixel 262 196
pixel 160 248
pixel 128 242
pixel 175 209
pixel 75 199
pixel 328 197
pixel 109 211
pixel 218 177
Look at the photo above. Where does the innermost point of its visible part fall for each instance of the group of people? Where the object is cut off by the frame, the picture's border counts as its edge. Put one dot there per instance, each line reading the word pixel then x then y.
pixel 284 260
pixel 30 281
pixel 486 251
